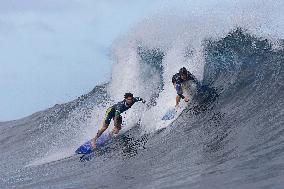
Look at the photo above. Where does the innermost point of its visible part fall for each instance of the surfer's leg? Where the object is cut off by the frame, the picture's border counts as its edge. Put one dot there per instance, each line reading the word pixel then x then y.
pixel 186 88
pixel 179 92
pixel 109 115
pixel 99 133
pixel 117 127
pixel 106 123
pixel 116 130
pixel 190 89
pixel 177 100
pixel 101 130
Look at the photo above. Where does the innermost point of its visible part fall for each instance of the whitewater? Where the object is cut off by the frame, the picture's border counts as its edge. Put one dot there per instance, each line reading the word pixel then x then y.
pixel 230 135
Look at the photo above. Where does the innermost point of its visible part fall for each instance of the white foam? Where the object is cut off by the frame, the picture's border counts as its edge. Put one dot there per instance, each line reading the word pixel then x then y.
pixel 180 36
pixel 53 156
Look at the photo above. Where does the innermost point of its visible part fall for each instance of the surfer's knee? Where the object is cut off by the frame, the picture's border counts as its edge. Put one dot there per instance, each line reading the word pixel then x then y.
pixel 177 99
pixel 118 123
pixel 118 126
pixel 104 127
pixel 116 129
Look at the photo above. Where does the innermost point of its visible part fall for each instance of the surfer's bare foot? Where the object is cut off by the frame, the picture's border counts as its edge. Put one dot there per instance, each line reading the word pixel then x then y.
pixel 93 143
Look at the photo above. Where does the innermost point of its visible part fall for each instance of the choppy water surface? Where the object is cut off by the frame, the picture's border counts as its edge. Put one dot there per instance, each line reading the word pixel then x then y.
pixel 230 136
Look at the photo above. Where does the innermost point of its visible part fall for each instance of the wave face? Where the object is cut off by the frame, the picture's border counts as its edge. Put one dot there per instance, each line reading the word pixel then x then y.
pixel 230 136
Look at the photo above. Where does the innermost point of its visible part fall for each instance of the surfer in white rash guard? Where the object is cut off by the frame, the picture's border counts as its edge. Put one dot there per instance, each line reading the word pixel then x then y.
pixel 114 112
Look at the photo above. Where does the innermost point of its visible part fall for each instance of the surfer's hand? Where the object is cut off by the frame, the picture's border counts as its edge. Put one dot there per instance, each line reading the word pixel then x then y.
pixel 143 101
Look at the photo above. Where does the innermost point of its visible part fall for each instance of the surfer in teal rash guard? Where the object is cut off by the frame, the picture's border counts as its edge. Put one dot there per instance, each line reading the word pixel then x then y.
pixel 182 82
pixel 114 112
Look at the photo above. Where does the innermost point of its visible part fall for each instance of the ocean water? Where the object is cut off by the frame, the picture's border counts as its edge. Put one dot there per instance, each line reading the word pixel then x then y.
pixel 231 134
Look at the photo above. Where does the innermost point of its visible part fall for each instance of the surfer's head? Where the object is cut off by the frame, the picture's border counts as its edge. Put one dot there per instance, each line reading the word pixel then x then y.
pixel 128 98
pixel 183 73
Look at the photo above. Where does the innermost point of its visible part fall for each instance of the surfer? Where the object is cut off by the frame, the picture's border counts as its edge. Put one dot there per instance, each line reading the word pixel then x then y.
pixel 182 82
pixel 114 112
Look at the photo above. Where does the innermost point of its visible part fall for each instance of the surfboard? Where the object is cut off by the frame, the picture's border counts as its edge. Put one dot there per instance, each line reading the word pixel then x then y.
pixel 87 148
pixel 170 114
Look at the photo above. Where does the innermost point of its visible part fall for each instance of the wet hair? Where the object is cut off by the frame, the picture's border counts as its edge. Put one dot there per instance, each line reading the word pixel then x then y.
pixel 126 95
pixel 183 71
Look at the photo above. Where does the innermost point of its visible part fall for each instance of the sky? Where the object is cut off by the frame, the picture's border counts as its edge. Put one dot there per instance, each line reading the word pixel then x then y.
pixel 54 51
